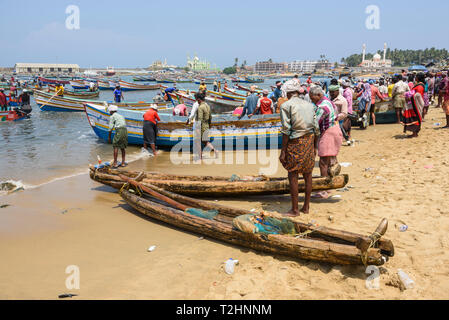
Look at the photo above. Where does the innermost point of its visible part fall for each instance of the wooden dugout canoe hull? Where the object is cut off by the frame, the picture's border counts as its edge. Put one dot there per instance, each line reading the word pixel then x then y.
pixel 325 245
pixel 213 186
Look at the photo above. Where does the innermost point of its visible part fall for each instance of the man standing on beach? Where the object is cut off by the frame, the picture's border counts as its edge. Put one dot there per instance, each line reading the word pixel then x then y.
pixel 398 95
pixel 117 122
pixel 299 142
pixel 374 93
pixel 118 95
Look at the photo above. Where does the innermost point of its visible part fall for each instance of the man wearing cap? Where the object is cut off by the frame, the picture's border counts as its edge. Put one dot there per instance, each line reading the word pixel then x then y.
pixel 264 105
pixel 3 101
pixel 299 141
pixel 117 122
pixel 250 103
pixel 150 119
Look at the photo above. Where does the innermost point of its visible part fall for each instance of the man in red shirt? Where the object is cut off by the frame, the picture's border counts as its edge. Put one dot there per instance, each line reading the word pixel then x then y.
pixel 3 102
pixel 264 105
pixel 374 93
pixel 150 119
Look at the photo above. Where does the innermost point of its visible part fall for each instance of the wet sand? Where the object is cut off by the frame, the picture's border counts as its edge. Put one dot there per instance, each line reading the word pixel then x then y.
pixel 79 222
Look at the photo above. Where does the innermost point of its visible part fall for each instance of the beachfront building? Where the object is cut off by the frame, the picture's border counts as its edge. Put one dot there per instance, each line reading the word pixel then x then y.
pixel 270 67
pixel 302 66
pixel 377 63
pixel 45 68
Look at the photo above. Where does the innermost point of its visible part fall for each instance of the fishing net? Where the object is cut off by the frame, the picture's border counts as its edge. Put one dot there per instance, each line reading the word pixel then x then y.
pixel 211 214
pixel 251 223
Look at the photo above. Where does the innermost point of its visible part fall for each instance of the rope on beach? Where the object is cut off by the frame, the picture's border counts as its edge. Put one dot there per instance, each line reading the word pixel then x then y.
pixel 374 239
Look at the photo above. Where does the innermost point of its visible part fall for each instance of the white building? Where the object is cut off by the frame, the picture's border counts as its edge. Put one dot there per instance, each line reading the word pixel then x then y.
pixel 377 62
pixel 43 68
pixel 302 66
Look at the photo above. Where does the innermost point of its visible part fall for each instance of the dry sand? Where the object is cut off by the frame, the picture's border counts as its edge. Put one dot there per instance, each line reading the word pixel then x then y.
pixel 78 222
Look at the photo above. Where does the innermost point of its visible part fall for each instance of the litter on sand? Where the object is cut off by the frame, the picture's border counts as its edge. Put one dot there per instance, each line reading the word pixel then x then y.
pixel 151 249
pixel 403 228
pixel 346 164
pixel 428 166
pixel 337 196
pixel 4 206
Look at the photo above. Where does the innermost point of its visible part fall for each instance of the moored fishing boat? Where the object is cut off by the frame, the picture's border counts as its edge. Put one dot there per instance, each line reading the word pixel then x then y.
pixel 258 90
pixel 255 80
pixel 226 96
pixel 103 85
pixel 12 115
pixel 49 102
pixel 128 86
pixel 143 78
pixel 226 132
pixel 208 186
pixel 263 231
pixel 217 104
pixel 78 84
pixel 53 81
pixel 77 94
pixel 235 93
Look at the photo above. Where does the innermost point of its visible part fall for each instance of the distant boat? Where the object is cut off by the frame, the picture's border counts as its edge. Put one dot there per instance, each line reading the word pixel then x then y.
pixel 110 71
pixel 49 102
pixel 128 86
pixel 54 81
pixel 78 84
pixel 144 78
pixel 254 80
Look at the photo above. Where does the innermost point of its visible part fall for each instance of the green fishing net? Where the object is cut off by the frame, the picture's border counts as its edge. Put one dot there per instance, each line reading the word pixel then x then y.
pixel 251 223
pixel 211 214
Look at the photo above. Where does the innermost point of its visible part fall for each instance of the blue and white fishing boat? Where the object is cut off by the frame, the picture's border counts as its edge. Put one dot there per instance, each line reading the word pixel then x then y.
pixel 226 132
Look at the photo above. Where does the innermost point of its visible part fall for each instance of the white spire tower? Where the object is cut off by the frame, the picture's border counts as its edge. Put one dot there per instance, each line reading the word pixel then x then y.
pixel 385 52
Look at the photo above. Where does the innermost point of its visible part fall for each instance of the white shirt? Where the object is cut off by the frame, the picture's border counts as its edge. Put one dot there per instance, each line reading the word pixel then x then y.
pixel 194 110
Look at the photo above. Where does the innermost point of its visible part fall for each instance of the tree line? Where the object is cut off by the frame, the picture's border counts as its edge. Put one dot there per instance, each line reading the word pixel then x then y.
pixel 402 58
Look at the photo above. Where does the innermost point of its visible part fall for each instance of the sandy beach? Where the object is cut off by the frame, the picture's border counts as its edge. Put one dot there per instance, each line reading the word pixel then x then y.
pixel 79 222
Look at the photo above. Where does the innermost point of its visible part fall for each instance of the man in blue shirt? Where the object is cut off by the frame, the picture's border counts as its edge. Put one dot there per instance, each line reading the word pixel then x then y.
pixel 250 103
pixel 118 95
pixel 171 90
pixel 277 92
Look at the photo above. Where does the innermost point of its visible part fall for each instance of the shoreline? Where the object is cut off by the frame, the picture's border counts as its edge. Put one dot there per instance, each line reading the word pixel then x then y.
pixel 76 221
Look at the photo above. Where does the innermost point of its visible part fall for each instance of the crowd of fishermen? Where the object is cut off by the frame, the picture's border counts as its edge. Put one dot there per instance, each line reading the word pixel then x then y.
pixel 14 99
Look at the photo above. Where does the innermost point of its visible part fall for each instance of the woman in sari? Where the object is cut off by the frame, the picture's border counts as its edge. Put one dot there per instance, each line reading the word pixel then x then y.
pixel 420 88
pixel 412 118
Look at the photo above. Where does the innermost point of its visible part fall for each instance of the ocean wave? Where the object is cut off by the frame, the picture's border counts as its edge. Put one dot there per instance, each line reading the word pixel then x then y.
pixel 11 186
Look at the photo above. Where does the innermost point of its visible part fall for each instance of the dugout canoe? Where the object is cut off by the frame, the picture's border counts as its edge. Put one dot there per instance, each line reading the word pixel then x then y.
pixel 307 242
pixel 207 186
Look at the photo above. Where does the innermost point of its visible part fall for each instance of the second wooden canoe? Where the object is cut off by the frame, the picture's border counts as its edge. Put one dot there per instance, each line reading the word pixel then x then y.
pixel 206 186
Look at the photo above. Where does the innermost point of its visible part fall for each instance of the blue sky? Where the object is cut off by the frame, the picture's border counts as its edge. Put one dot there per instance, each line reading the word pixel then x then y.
pixel 134 33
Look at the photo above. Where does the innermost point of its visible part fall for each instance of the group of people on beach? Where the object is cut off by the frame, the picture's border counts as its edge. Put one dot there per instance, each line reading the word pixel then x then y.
pixel 316 118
